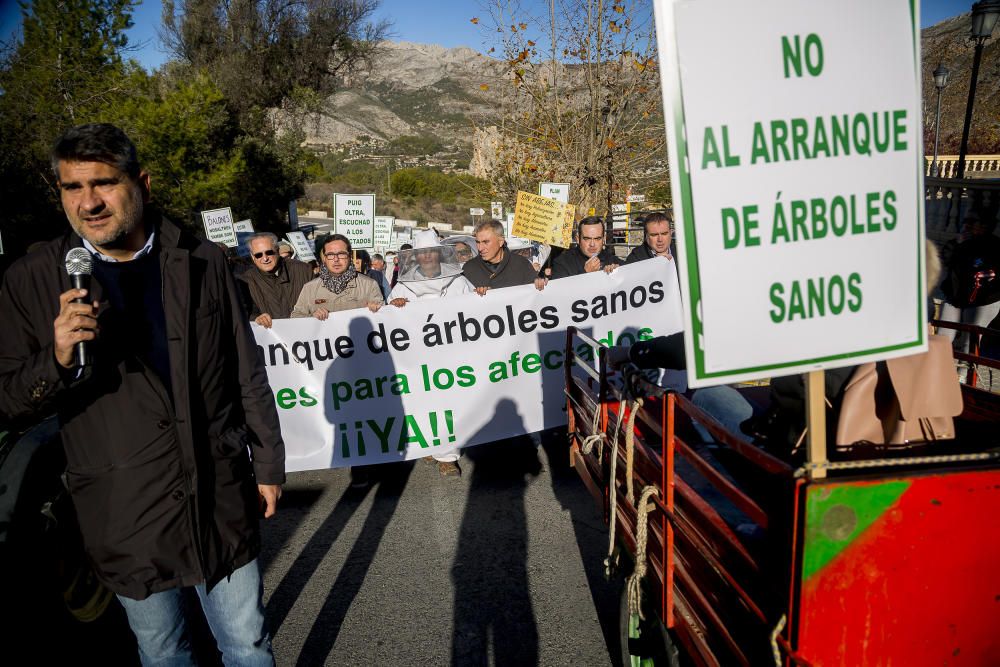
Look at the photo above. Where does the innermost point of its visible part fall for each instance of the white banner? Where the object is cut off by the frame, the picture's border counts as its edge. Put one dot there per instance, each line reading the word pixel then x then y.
pixel 407 382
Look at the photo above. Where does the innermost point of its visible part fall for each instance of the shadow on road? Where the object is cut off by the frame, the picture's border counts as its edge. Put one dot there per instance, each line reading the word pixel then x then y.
pixel 322 636
pixel 388 482
pixel 493 616
pixel 588 526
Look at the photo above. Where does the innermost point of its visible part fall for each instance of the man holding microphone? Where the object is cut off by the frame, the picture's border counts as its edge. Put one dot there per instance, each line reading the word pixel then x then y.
pixel 167 420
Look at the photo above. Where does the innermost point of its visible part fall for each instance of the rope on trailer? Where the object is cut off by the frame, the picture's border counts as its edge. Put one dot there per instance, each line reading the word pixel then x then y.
pixel 774 640
pixel 910 460
pixel 613 483
pixel 634 583
pixel 630 448
pixel 587 446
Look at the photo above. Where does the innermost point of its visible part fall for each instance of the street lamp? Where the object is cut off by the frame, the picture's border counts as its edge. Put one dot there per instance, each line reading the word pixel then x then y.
pixel 610 117
pixel 984 17
pixel 940 81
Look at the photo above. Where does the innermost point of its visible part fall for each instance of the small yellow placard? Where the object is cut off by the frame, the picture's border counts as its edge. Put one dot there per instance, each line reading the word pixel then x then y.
pixel 542 219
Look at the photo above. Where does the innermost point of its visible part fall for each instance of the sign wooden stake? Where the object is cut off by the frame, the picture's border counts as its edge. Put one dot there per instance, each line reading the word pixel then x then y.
pixel 816 422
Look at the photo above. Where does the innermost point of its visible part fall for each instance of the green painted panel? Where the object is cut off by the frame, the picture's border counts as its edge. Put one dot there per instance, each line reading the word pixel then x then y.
pixel 836 515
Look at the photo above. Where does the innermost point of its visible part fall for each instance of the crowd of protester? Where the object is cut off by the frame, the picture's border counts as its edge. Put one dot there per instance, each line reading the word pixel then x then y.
pixel 169 446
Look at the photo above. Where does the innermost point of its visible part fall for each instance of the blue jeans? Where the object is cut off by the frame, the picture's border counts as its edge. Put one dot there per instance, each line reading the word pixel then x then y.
pixel 234 610
pixel 725 404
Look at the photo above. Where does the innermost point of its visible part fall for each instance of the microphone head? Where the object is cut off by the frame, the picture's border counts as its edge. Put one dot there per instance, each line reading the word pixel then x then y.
pixel 79 262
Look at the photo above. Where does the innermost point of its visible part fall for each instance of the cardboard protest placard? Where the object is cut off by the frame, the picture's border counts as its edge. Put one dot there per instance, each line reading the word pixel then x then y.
pixel 304 251
pixel 557 191
pixel 219 226
pixel 798 185
pixel 354 217
pixel 543 219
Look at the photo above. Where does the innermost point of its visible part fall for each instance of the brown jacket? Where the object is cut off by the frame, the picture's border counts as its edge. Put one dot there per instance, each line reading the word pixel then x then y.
pixel 359 293
pixel 275 293
pixel 163 486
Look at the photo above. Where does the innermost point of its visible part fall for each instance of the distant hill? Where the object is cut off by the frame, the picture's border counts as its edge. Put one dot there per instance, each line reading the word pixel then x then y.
pixel 948 42
pixel 411 90
pixel 424 90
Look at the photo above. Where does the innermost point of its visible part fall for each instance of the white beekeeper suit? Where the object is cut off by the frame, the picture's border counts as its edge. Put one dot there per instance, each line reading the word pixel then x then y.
pixel 430 271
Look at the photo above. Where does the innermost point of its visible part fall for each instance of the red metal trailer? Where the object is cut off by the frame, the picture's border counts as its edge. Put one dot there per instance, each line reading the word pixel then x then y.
pixel 742 558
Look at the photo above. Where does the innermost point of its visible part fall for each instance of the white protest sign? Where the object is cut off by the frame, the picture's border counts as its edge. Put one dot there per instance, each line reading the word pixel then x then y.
pixel 557 191
pixel 304 251
pixel 798 183
pixel 496 210
pixel 243 230
pixel 403 236
pixel 219 226
pixel 619 217
pixel 383 231
pixel 354 217
pixel 438 374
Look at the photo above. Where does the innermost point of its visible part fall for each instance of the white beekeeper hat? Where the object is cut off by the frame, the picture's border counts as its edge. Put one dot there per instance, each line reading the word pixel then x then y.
pixel 425 238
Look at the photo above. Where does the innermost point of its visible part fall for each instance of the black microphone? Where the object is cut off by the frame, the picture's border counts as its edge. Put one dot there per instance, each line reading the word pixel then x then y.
pixel 79 266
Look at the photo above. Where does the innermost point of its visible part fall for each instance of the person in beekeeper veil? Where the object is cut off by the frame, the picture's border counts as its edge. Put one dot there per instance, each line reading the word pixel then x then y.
pixel 427 271
pixel 430 270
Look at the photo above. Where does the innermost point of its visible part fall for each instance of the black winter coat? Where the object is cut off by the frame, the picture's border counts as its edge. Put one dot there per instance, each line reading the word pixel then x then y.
pixel 513 270
pixel 162 482
pixel 570 263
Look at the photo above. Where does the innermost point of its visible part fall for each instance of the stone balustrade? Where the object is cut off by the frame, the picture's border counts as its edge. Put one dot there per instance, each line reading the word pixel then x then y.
pixel 983 166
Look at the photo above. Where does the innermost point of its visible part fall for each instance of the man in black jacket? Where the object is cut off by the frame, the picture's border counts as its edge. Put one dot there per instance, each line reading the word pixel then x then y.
pixel 589 254
pixel 656 230
pixel 495 266
pixel 274 282
pixel 170 431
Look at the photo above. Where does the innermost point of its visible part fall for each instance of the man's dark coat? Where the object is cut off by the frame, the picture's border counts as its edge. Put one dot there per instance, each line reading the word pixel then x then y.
pixel 512 270
pixel 276 293
pixel 571 262
pixel 162 482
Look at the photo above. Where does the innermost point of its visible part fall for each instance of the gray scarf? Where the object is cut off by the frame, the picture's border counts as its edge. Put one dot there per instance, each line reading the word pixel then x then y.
pixel 337 284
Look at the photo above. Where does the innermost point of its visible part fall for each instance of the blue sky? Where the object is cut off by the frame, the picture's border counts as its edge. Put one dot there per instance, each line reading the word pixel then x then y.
pixel 446 24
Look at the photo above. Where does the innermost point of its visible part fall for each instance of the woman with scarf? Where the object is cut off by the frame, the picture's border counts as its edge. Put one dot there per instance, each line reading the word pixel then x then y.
pixel 339 285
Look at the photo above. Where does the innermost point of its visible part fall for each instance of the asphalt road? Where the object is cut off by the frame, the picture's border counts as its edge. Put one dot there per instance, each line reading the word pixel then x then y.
pixel 502 566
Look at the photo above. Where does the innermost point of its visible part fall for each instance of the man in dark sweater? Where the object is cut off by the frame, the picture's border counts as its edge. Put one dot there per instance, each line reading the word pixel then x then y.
pixel 168 424
pixel 496 266
pixel 656 229
pixel 275 282
pixel 589 255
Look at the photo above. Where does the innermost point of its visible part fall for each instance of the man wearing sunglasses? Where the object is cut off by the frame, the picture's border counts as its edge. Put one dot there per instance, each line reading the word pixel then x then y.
pixel 275 282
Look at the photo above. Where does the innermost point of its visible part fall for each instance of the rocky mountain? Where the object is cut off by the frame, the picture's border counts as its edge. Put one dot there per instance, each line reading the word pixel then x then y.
pixel 411 90
pixel 948 43
pixel 431 91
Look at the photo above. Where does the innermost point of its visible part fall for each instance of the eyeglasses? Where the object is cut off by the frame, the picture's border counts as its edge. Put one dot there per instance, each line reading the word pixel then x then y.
pixel 337 255
pixel 269 253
